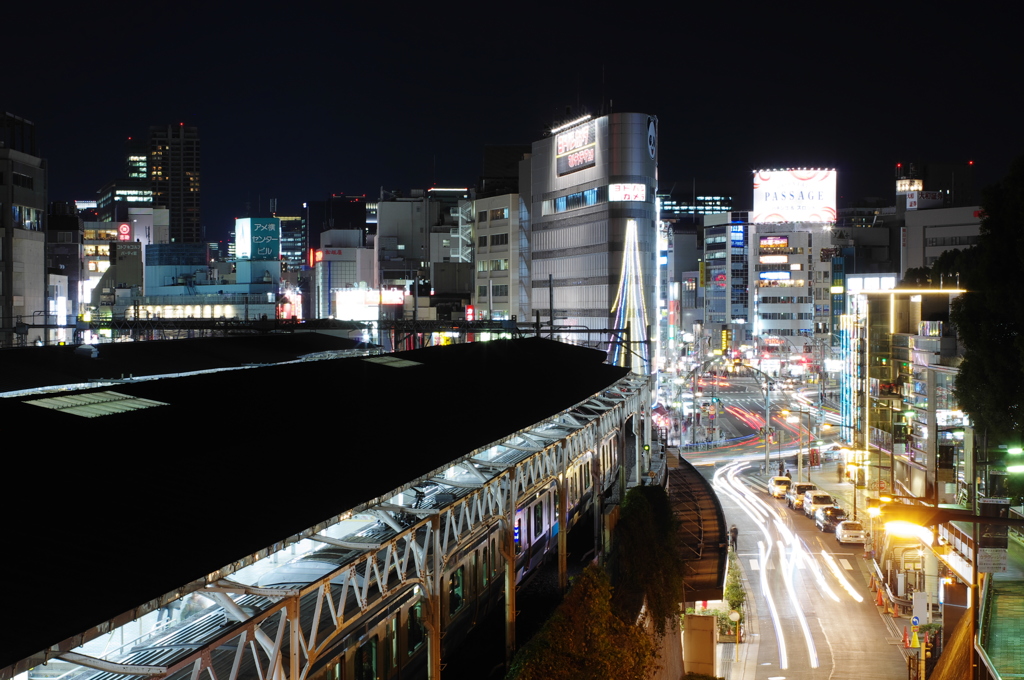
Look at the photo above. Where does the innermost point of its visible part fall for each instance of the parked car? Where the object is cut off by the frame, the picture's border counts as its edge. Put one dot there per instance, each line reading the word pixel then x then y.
pixel 795 494
pixel 826 519
pixel 778 486
pixel 816 499
pixel 850 532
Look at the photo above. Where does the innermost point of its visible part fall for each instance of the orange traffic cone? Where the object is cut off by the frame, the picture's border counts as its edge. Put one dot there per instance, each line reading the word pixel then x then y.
pixel 906 639
pixel 878 600
pixel 872 585
pixel 895 611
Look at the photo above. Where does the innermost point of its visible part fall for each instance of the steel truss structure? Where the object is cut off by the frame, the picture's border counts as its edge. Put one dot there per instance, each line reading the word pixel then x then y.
pixel 408 538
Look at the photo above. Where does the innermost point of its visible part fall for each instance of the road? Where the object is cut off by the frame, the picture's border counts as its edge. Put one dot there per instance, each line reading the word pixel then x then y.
pixel 811 597
pixel 812 612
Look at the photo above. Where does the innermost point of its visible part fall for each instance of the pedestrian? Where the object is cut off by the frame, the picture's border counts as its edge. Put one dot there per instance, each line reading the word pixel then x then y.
pixel 734 538
pixel 787 475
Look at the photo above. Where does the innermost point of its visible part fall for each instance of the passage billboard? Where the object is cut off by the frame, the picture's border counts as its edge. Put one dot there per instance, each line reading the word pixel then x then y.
pixel 794 196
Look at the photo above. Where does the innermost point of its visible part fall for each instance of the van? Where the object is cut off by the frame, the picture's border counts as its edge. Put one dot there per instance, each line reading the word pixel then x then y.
pixel 795 494
pixel 777 486
pixel 816 500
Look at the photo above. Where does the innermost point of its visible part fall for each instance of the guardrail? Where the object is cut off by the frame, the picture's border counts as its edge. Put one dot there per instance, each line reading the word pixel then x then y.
pixel 714 443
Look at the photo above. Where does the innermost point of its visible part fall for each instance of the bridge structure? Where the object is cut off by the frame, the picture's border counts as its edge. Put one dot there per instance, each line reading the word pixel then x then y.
pixel 258 549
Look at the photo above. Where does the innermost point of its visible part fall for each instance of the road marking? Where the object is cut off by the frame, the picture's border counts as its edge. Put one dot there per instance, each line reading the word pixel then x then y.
pixel 846 564
pixel 754 566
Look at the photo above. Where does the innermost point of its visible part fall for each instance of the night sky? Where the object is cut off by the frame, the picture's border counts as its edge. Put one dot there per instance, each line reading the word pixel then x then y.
pixel 296 104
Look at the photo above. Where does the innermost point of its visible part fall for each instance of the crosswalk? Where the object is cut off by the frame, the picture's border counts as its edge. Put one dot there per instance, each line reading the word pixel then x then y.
pixel 755 564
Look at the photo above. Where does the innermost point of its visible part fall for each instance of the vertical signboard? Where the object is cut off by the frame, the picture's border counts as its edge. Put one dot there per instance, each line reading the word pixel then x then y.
pixel 258 238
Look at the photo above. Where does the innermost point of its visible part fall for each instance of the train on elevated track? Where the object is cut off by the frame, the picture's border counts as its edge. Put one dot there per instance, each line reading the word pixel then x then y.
pixel 417 572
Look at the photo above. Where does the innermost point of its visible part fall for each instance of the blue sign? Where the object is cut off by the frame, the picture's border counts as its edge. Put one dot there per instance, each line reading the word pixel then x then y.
pixel 915 621
pixel 736 235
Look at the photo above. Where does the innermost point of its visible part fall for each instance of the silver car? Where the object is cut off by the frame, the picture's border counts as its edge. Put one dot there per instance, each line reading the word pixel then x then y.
pixel 850 532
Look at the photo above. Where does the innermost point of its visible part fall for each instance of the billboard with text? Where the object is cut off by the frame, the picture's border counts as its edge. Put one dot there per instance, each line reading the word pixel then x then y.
pixel 794 196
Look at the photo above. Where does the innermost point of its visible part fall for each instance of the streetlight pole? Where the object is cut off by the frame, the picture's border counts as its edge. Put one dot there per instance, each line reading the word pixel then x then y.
pixel 800 442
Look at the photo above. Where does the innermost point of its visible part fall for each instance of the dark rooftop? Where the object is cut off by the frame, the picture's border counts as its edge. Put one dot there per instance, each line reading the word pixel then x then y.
pixel 109 512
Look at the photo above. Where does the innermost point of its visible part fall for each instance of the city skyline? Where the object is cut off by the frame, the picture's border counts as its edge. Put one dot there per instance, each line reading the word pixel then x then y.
pixel 299 106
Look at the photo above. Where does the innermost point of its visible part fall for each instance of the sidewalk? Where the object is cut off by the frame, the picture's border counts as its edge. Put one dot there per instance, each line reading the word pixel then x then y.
pixel 826 478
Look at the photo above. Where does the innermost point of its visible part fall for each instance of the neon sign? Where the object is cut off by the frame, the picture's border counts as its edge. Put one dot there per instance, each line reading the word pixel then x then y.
pixel 627 192
pixel 575 148
pixel 774 241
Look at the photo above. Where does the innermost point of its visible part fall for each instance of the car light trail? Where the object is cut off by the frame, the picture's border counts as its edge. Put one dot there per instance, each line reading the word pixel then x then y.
pixel 787 573
pixel 841 577
pixel 783 657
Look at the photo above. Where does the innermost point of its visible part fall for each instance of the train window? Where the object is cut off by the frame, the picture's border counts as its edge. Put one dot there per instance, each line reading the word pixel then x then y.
pixel 538 520
pixel 366 660
pixel 518 536
pixel 335 673
pixel 456 590
pixel 485 567
pixel 416 633
pixel 586 477
pixel 393 644
pixel 496 557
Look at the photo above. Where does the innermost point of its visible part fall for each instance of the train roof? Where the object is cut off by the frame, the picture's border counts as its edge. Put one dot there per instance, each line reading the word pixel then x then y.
pixel 119 494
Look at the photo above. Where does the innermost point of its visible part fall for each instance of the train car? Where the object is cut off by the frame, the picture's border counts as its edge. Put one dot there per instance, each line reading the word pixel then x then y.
pixel 389 641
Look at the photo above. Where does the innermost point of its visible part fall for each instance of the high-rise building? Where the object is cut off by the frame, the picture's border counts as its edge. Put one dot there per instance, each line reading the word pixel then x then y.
pixel 22 239
pixel 174 162
pixel 588 220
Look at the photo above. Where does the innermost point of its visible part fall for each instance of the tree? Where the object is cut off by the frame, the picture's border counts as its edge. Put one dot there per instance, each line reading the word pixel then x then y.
pixel 647 556
pixel 917 277
pixel 585 639
pixel 989 318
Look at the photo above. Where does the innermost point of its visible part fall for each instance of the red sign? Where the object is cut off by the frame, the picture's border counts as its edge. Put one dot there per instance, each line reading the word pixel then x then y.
pixel 124 232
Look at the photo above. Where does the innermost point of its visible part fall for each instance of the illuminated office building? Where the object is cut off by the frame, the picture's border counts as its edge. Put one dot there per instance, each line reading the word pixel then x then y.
pixel 22 240
pixel 174 163
pixel 675 206
pixel 588 233
pixel 727 279
pixel 495 244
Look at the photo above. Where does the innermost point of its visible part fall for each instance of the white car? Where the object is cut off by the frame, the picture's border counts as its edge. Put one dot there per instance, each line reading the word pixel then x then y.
pixel 850 532
pixel 778 486
pixel 816 500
